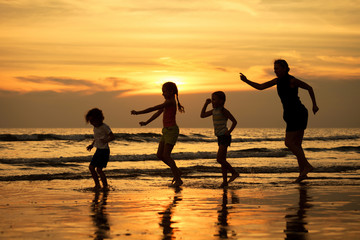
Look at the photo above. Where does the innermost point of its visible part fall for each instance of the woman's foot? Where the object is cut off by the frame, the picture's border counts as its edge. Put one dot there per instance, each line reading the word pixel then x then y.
pixel 306 170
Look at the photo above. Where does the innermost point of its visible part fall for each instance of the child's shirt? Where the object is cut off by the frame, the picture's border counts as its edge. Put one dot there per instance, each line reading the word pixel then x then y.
pixel 101 133
pixel 169 116
pixel 220 122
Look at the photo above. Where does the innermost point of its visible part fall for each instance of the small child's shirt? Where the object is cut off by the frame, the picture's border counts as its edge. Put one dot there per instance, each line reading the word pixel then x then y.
pixel 220 122
pixel 101 133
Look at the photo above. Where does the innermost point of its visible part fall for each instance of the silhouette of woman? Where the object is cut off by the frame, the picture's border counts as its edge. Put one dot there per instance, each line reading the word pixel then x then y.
pixel 295 113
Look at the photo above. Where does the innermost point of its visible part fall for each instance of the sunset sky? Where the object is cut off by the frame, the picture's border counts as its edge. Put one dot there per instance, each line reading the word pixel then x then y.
pixel 59 58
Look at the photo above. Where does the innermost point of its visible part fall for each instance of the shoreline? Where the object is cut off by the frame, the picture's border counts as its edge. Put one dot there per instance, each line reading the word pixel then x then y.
pixel 148 209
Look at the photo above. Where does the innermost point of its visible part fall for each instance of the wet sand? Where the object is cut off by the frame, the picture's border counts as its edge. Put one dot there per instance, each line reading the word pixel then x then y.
pixel 149 209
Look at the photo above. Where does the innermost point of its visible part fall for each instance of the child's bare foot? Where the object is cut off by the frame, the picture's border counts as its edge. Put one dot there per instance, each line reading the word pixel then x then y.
pixel 173 180
pixel 233 177
pixel 177 183
pixel 300 178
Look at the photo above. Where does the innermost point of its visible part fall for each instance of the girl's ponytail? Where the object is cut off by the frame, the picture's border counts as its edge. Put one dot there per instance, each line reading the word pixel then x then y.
pixel 180 107
pixel 172 86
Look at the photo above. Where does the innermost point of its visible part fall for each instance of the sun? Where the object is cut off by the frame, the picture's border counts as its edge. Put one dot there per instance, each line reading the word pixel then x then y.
pixel 179 81
pixel 175 79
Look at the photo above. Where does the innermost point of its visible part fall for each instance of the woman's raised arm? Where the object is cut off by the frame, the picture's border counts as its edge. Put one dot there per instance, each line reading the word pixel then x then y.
pixel 258 86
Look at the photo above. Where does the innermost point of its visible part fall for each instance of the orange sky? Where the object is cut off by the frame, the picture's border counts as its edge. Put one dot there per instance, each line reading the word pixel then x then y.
pixel 134 46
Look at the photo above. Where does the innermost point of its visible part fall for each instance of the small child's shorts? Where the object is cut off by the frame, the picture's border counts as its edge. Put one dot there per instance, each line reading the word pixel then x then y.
pixel 170 135
pixel 224 140
pixel 100 158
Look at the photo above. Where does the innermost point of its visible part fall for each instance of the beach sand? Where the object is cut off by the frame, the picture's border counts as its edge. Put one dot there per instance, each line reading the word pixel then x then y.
pixel 149 209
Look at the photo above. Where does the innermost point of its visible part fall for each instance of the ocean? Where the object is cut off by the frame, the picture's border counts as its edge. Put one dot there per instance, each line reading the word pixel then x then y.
pixel 258 154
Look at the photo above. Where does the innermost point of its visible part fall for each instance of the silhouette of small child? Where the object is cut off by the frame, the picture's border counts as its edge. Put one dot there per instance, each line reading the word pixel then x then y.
pixel 102 136
pixel 220 116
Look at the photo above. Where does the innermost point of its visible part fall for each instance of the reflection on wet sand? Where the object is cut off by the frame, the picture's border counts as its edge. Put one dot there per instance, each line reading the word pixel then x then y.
pixel 223 230
pixel 168 230
pixel 296 221
pixel 100 216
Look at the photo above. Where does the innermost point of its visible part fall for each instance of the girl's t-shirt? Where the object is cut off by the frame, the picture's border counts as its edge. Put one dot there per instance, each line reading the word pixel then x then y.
pixel 169 116
pixel 101 133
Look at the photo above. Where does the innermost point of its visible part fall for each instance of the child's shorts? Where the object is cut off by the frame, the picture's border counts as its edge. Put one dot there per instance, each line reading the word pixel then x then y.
pixel 170 135
pixel 100 158
pixel 224 140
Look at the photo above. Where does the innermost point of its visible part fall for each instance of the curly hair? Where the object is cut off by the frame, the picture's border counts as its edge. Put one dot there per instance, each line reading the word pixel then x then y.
pixel 94 113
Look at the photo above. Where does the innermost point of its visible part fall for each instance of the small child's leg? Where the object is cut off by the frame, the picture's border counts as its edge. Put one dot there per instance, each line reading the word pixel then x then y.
pixel 224 175
pixel 221 158
pixel 225 166
pixel 233 177
pixel 94 176
pixel 171 163
pixel 160 153
pixel 102 177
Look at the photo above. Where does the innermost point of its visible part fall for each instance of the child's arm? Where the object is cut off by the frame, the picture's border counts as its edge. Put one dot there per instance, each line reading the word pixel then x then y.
pixel 151 109
pixel 110 137
pixel 90 146
pixel 153 117
pixel 205 113
pixel 232 119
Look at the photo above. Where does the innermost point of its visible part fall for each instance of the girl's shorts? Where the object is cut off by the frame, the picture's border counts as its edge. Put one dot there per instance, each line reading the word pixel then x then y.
pixel 224 140
pixel 100 158
pixel 170 135
pixel 296 120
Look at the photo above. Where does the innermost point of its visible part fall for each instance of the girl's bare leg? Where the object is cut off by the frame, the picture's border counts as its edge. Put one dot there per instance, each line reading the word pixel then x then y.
pixel 171 163
pixel 160 153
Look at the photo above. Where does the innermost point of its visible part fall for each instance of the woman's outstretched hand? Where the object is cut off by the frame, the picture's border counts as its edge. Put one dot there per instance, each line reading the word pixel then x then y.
pixel 143 123
pixel 243 77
